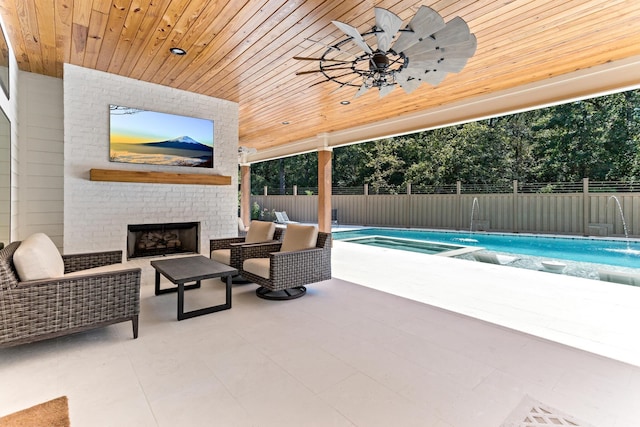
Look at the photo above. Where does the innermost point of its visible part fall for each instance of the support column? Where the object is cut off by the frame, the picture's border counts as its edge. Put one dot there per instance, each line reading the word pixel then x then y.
pixel 245 193
pixel 324 190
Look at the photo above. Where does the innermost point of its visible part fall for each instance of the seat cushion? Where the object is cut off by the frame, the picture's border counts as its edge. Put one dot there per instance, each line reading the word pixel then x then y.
pixel 260 231
pixel 99 270
pixel 298 237
pixel 38 258
pixel 258 266
pixel 222 255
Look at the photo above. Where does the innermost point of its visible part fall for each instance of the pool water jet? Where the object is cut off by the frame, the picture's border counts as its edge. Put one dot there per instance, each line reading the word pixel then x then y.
pixel 624 223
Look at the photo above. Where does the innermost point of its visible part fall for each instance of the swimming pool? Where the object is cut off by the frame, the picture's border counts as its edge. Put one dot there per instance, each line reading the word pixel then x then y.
pixel 601 251
pixel 411 245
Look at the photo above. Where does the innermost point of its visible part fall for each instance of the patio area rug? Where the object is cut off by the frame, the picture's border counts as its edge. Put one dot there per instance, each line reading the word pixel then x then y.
pixel 54 413
pixel 531 413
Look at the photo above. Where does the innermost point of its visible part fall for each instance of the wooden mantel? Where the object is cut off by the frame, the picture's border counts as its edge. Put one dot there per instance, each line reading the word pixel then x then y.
pixel 157 177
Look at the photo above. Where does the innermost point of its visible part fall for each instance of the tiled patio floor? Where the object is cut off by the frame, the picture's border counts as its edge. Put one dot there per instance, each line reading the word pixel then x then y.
pixel 350 355
pixel 596 316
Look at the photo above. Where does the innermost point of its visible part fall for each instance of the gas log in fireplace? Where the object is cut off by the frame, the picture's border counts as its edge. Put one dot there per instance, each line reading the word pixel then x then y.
pixel 145 240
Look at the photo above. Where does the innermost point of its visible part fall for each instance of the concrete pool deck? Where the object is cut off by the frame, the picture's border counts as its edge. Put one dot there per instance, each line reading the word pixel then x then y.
pixel 591 315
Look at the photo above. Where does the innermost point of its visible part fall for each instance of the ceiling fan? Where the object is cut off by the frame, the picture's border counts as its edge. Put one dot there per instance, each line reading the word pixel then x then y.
pixel 389 55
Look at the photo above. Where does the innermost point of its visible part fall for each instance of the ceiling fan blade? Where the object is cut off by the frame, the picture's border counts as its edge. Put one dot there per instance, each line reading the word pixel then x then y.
pixel 430 76
pixel 407 84
pixel 434 77
pixel 300 73
pixel 386 90
pixel 354 34
pixel 426 45
pixel 425 22
pixel 456 31
pixel 389 23
pixel 463 50
pixel 302 58
pixel 450 65
pixel 361 91
pixel 411 73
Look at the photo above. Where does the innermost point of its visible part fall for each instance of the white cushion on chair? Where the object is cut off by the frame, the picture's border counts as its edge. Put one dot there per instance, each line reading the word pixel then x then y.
pixel 258 266
pixel 99 270
pixel 38 258
pixel 298 237
pixel 222 255
pixel 260 231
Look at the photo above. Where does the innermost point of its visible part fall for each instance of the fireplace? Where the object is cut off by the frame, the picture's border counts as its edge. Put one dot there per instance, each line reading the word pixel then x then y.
pixel 144 240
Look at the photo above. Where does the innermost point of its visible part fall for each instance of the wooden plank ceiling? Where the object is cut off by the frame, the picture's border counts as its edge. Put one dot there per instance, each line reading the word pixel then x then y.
pixel 242 51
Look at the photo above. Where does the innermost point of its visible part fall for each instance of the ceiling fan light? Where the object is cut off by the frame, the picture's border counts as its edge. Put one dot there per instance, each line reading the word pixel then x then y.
pixel 379 61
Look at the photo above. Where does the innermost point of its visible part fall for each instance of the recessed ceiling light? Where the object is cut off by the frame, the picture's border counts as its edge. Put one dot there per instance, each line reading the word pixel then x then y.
pixel 345 102
pixel 178 51
pixel 285 123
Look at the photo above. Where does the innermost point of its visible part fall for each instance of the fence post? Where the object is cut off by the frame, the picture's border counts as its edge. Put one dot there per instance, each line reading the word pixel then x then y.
pixel 407 218
pixel 514 224
pixel 366 204
pixel 459 204
pixel 585 206
pixel 265 191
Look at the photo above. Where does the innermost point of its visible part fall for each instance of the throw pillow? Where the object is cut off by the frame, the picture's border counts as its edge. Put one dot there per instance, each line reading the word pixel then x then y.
pixel 38 258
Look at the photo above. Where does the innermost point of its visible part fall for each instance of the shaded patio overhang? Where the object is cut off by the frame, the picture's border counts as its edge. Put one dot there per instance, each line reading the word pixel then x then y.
pixel 600 80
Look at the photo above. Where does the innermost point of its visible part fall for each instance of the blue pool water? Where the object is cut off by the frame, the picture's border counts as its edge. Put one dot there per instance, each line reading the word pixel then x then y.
pixel 600 251
pixel 420 246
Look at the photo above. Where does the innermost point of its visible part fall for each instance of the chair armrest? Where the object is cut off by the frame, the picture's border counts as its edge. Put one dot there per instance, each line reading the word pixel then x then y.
pixel 266 242
pixel 305 266
pixel 215 244
pixel 260 250
pixel 75 262
pixel 81 278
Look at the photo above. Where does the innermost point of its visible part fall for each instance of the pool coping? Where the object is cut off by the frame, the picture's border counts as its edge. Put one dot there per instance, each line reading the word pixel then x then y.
pixel 499 233
pixel 460 249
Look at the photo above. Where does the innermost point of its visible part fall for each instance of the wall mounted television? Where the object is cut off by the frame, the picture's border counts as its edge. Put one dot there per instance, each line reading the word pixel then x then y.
pixel 148 137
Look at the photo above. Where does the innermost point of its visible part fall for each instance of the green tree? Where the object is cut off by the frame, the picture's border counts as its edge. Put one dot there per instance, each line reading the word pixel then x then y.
pixel 598 138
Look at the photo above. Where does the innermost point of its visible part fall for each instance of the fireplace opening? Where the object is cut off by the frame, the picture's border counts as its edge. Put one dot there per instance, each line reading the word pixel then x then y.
pixel 144 240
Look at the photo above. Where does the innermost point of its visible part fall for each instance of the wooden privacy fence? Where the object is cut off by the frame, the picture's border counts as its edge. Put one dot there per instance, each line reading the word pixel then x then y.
pixel 555 208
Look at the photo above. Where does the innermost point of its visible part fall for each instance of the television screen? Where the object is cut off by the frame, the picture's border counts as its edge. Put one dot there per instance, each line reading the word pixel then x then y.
pixel 139 136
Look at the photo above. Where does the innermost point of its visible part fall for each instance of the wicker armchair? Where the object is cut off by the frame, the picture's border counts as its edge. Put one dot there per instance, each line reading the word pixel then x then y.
pixel 289 271
pixel 233 244
pixel 41 309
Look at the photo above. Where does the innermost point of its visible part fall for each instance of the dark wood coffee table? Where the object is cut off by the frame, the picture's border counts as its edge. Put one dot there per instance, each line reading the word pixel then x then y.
pixel 192 269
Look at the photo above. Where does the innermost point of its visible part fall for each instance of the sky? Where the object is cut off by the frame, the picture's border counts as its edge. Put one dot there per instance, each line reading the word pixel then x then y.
pixel 149 126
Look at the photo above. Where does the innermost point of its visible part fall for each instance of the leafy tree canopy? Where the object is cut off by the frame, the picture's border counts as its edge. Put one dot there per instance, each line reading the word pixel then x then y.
pixel 596 138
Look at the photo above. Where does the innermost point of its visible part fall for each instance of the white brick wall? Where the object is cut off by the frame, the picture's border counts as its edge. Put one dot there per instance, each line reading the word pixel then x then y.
pixel 96 214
